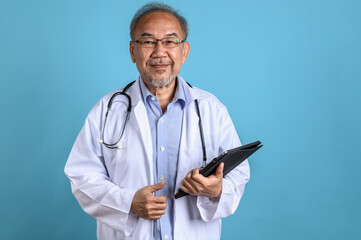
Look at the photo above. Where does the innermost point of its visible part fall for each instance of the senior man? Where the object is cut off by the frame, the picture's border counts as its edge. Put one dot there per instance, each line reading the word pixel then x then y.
pixel 126 166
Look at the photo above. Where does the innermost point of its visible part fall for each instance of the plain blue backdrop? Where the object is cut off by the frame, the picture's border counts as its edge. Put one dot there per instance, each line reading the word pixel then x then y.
pixel 288 71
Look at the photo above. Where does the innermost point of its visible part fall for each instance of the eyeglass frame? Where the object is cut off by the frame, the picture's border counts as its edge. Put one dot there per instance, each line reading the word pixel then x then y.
pixel 159 40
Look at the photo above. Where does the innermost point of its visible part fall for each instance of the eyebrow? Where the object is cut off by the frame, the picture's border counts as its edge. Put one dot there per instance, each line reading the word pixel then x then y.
pixel 145 34
pixel 171 35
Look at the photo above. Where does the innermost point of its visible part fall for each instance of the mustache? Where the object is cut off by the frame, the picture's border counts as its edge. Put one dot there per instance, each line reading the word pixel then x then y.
pixel 159 61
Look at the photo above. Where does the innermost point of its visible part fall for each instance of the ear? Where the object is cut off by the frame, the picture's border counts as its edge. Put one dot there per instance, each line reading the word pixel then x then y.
pixel 131 51
pixel 186 49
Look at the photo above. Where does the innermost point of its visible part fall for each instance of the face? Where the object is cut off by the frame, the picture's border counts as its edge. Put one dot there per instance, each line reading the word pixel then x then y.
pixel 158 65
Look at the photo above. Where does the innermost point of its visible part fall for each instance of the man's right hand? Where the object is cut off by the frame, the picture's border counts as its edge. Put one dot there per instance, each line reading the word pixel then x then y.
pixel 148 206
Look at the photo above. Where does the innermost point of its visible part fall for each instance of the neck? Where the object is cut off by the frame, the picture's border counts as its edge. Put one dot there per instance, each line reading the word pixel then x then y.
pixel 164 94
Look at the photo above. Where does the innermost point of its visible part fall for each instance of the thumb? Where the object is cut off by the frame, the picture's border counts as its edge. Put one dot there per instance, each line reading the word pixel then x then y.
pixel 156 187
pixel 219 170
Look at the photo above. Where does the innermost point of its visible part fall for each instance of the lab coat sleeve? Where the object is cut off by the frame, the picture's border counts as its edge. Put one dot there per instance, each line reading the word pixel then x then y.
pixel 90 184
pixel 233 184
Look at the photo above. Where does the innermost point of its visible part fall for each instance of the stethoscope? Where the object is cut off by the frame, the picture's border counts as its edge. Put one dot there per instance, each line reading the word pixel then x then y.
pixel 129 109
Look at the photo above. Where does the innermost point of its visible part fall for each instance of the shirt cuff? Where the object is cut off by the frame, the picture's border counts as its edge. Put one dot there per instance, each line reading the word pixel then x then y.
pixel 208 206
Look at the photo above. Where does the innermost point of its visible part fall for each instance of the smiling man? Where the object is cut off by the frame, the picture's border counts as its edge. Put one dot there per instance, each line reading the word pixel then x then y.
pixel 159 53
pixel 140 144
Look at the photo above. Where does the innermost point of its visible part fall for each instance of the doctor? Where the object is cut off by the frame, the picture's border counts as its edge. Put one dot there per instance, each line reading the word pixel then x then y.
pixel 130 189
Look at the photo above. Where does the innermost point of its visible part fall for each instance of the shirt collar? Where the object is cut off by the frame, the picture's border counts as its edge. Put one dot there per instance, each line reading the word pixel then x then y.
pixel 179 95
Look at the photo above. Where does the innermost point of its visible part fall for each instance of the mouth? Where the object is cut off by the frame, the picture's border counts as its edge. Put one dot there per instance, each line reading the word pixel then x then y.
pixel 159 66
pixel 159 63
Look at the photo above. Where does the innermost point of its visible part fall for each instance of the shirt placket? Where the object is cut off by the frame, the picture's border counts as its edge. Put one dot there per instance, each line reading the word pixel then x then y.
pixel 162 172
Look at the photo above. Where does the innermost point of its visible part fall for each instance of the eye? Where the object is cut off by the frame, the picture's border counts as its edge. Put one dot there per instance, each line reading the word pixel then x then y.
pixel 147 42
pixel 169 43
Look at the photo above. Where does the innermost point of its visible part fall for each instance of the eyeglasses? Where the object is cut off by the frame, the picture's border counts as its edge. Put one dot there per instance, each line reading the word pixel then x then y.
pixel 152 42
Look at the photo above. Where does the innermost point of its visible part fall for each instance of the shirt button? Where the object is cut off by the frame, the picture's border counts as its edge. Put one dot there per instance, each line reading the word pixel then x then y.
pixel 153 98
pixel 162 148
pixel 161 178
pixel 161 120
pixel 166 236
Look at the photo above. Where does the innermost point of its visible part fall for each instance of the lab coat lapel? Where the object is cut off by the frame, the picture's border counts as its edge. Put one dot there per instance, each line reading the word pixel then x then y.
pixel 190 137
pixel 142 119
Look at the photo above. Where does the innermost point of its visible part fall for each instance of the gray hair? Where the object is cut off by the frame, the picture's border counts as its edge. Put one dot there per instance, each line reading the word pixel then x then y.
pixel 158 7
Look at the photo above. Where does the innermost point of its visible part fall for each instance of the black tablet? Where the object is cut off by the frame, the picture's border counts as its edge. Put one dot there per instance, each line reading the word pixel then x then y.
pixel 231 159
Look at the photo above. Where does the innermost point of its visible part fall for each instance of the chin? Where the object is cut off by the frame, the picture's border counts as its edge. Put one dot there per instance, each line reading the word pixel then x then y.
pixel 160 82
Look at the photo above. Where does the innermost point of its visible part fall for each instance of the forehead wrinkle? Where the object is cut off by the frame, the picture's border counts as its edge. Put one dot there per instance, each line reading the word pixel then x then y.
pixel 165 22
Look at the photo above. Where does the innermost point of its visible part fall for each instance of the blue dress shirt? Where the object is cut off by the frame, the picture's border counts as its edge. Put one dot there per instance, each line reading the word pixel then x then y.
pixel 166 134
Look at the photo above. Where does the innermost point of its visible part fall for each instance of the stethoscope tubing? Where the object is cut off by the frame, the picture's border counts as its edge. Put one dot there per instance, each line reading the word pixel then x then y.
pixel 129 109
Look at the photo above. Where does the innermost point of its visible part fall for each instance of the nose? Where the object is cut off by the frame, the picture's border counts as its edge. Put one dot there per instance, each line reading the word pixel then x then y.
pixel 159 50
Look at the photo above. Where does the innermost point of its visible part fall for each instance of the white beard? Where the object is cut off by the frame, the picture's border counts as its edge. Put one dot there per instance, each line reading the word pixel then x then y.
pixel 159 83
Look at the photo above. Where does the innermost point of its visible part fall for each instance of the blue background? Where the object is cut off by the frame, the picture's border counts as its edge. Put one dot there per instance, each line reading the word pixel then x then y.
pixel 288 71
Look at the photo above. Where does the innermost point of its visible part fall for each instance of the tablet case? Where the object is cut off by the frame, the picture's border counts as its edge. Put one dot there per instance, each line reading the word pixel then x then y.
pixel 231 159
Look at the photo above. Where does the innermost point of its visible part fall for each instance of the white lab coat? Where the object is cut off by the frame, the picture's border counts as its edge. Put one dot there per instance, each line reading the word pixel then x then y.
pixel 107 196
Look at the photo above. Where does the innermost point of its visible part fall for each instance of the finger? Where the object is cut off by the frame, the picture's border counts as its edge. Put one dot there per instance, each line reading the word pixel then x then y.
pixel 219 170
pixel 158 208
pixel 189 175
pixel 195 172
pixel 154 205
pixel 188 187
pixel 155 214
pixel 160 199
pixel 197 177
pixel 155 208
pixel 158 212
pixel 156 202
pixel 157 187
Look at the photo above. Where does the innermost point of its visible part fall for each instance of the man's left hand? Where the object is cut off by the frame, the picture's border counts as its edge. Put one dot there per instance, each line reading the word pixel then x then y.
pixel 196 184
